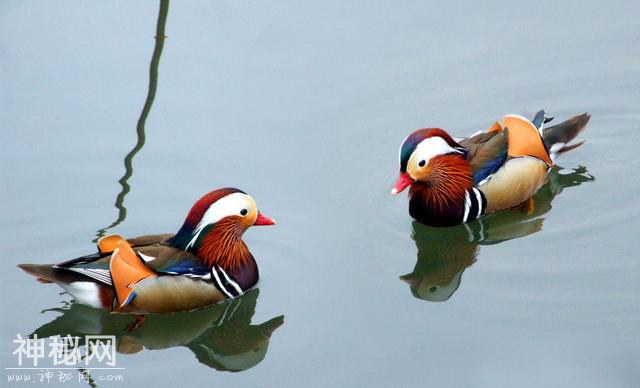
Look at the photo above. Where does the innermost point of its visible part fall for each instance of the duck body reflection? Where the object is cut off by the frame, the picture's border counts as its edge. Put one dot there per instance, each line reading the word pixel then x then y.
pixel 444 253
pixel 221 336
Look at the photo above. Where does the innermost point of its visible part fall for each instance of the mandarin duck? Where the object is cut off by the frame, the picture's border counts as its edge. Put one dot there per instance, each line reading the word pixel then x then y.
pixel 457 181
pixel 444 254
pixel 205 262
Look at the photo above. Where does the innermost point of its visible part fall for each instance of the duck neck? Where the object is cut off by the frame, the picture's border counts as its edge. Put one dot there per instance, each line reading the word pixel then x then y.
pixel 221 245
pixel 440 199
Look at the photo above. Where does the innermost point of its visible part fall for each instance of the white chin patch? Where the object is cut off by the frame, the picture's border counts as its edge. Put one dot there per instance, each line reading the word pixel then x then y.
pixel 230 205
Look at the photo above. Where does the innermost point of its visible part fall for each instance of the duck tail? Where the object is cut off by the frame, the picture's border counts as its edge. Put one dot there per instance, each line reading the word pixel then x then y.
pixel 271 325
pixel 557 137
pixel 43 272
pixel 49 273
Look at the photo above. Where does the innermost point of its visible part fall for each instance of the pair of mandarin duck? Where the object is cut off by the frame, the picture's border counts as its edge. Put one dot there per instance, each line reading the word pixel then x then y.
pixel 206 262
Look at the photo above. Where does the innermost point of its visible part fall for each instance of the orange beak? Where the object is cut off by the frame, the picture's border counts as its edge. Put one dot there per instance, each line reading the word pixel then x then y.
pixel 404 180
pixel 263 220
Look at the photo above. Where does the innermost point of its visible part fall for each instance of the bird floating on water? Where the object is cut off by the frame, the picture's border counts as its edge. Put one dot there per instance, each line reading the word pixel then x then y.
pixel 457 181
pixel 206 262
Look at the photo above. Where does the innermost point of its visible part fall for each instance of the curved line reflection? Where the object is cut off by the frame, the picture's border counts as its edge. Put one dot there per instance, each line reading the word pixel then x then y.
pixel 140 126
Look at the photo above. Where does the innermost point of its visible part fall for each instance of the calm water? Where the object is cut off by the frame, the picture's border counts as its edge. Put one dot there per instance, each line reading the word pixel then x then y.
pixel 304 106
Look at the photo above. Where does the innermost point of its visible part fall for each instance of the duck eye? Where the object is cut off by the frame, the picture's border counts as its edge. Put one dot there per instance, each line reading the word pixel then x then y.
pixel 422 163
pixel 244 212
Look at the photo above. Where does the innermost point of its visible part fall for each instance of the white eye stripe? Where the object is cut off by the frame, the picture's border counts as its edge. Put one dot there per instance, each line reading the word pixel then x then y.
pixel 226 206
pixel 431 147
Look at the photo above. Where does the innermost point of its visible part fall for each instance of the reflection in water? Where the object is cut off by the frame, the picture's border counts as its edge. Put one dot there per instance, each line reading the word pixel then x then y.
pixel 221 336
pixel 140 127
pixel 444 253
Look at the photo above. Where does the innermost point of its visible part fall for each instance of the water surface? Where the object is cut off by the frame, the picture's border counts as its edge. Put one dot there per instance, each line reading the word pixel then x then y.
pixel 303 106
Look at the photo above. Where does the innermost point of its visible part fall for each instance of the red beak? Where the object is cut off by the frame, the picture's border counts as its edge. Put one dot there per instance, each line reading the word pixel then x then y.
pixel 404 180
pixel 263 220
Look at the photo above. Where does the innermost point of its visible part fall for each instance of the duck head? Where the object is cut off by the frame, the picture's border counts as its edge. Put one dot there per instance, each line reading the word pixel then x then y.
pixel 215 224
pixel 430 155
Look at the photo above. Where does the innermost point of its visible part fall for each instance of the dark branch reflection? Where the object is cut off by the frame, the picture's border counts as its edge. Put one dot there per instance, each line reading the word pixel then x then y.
pixel 444 253
pixel 140 127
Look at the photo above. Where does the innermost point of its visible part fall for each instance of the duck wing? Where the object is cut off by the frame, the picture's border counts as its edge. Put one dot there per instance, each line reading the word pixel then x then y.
pixel 487 152
pixel 152 251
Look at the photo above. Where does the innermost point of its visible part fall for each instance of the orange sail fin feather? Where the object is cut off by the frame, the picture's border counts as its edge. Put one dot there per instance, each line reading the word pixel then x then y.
pixel 524 138
pixel 108 244
pixel 496 127
pixel 127 270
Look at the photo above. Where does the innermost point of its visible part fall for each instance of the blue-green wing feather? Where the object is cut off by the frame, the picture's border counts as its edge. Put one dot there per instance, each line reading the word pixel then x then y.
pixel 487 153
